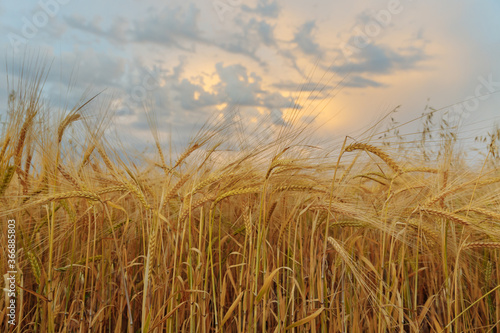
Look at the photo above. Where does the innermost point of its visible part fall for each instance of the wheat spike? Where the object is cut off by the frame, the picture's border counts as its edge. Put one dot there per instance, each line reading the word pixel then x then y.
pixel 211 180
pixel 4 148
pixel 374 150
pixel 478 245
pixel 186 154
pixel 119 188
pixel 243 190
pixel 67 195
pixel 151 250
pixel 276 164
pixel 7 177
pixel 489 181
pixel 138 194
pixel 86 156
pixel 298 188
pixel 422 169
pixel 175 188
pixel 271 210
pixel 22 136
pixel 247 221
pixel 70 178
pixel 447 215
pixel 353 224
pixel 196 204
pixel 35 266
pixel 480 211
pixel 426 229
pixel 65 123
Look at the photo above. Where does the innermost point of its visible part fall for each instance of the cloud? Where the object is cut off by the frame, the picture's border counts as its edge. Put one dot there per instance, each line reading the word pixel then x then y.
pixel 381 59
pixel 252 35
pixel 236 86
pixel 305 40
pixel 171 26
pixel 193 96
pixel 357 81
pixel 168 25
pixel 118 31
pixel 264 8
pixel 297 87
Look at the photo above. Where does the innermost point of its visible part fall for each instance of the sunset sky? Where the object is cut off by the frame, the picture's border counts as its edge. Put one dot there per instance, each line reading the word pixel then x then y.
pixel 350 62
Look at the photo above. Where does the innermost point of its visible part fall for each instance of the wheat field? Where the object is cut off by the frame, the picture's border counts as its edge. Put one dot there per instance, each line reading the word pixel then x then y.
pixel 366 235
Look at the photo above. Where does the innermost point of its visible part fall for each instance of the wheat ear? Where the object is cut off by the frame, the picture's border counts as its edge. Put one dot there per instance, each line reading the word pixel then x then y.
pixel 65 123
pixel 444 214
pixel 243 190
pixel 477 245
pixel 4 148
pixel 66 195
pixel 479 211
pixel 277 164
pixel 119 188
pixel 186 154
pixel 35 266
pixel 138 194
pixel 175 188
pixel 194 205
pixel 22 136
pixel 423 169
pixel 374 150
pixel 7 177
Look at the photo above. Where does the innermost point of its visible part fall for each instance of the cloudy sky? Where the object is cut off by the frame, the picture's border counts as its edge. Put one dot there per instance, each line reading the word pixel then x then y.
pixel 347 62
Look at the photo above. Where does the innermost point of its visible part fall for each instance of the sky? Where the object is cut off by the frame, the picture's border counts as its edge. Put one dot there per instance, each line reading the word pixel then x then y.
pixel 255 61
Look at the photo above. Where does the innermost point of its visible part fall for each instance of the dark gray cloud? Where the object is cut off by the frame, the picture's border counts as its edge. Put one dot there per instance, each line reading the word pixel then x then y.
pixel 264 8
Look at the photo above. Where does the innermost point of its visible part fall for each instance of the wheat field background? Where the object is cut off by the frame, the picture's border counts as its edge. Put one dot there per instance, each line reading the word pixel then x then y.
pixel 365 235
